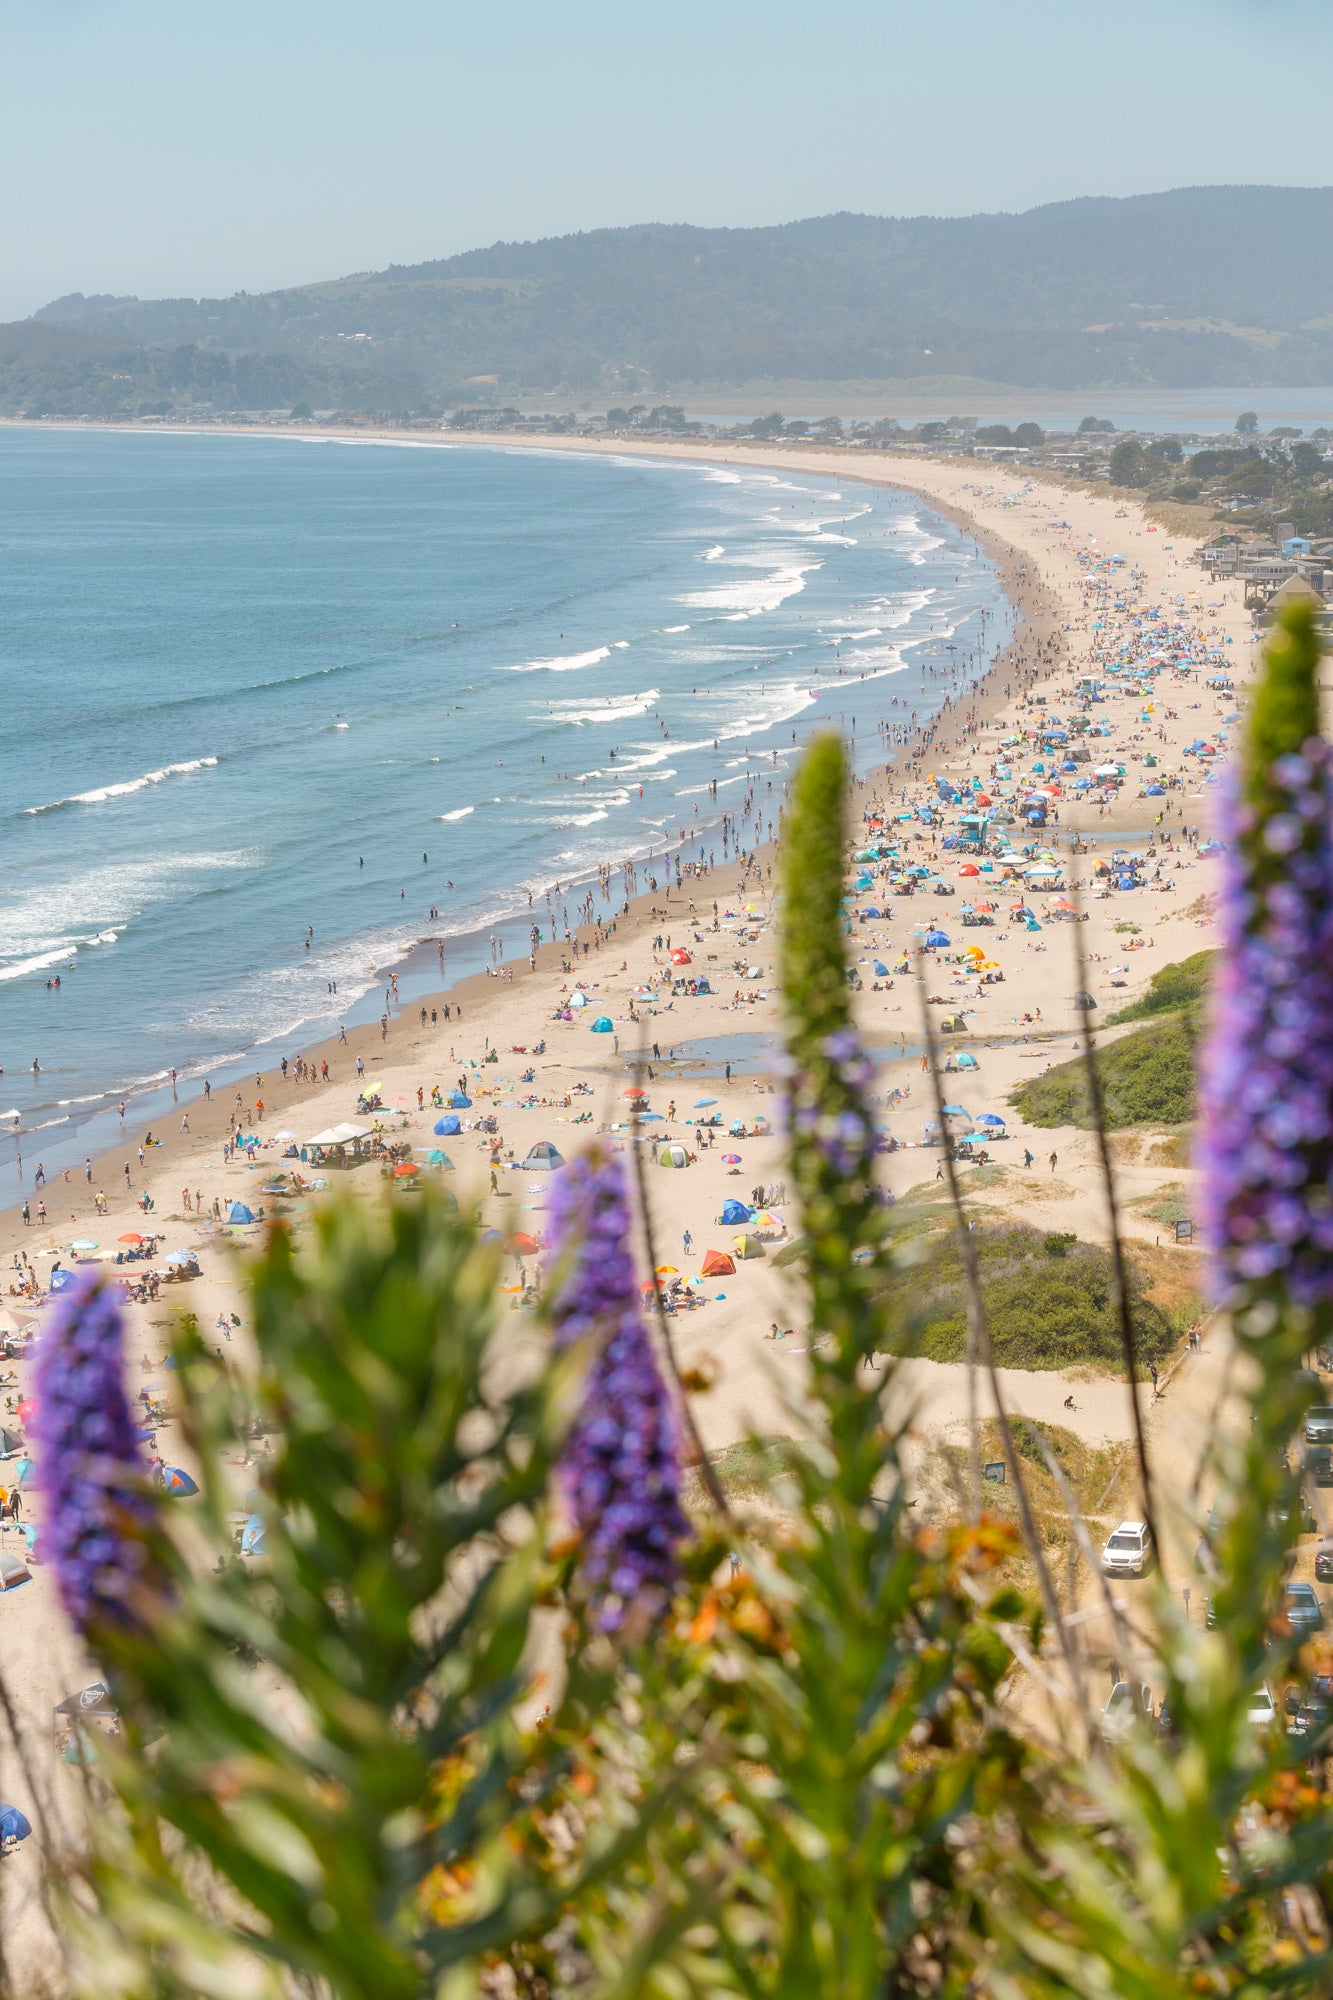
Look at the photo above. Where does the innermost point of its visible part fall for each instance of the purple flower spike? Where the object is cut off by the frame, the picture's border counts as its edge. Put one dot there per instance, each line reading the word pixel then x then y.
pixel 621 1466
pixel 92 1475
pixel 1266 1098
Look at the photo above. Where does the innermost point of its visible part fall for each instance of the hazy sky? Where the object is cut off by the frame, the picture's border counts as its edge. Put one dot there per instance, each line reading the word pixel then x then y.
pixel 179 148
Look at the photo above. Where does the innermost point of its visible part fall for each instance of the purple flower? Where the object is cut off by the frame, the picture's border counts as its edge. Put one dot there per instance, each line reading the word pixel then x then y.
pixel 826 1106
pixel 621 1467
pixel 93 1478
pixel 1266 1097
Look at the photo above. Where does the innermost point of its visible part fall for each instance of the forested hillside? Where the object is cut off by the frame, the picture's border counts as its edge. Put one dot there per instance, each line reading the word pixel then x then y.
pixel 1225 286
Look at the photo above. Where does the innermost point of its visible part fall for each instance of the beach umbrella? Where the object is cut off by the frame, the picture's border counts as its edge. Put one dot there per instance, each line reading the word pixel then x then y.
pixel 523 1244
pixel 83 1243
pixel 731 1159
pixel 702 1103
pixel 176 1480
pixel 990 1118
pixel 667 1271
pixel 634 1092
pixel 602 1025
pixel 283 1135
pixel 131 1236
pixel 969 868
pixel 936 938
pixel 681 957
pixel 436 1158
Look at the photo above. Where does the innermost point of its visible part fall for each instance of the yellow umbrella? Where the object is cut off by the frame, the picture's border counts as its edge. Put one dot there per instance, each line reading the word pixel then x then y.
pixel 667 1271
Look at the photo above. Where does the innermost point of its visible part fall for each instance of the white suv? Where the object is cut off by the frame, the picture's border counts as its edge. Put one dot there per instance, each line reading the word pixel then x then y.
pixel 1128 1552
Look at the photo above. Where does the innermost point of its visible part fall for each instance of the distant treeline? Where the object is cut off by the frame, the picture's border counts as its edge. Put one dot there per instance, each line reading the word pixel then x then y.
pixel 1204 286
pixel 55 371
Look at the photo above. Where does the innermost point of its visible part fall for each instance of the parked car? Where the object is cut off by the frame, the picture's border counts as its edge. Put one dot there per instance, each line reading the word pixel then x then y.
pixel 1302 1610
pixel 1318 1462
pixel 1319 1424
pixel 1128 1704
pixel 1260 1712
pixel 1323 1561
pixel 1128 1552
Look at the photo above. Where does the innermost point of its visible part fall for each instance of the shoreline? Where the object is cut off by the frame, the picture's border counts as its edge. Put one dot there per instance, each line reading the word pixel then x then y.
pixel 1039 647
pixel 161 1101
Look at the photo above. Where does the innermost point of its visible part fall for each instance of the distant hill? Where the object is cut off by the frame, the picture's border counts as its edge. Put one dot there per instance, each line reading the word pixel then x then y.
pixel 49 370
pixel 1230 286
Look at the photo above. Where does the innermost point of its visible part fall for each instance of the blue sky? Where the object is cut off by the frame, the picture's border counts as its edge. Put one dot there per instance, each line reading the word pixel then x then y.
pixel 170 149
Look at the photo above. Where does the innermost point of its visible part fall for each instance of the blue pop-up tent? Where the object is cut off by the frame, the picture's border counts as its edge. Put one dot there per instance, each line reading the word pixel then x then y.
pixel 734 1212
pixel 460 1101
pixel 238 1212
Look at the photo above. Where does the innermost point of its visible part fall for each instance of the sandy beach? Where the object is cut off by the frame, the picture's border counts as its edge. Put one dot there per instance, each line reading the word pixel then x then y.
pixel 1048 543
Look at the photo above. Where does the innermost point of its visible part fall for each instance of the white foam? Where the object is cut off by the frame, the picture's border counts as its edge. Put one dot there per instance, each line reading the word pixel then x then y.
pixel 609 708
pixel 675 628
pixel 711 555
pixel 620 645
pixel 23 966
pixel 101 793
pixel 562 663
pixel 752 596
pixel 461 813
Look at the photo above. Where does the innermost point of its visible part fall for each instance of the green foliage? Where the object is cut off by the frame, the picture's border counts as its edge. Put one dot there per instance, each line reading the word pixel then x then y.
pixel 357 1780
pixel 1147 1078
pixel 1050 1301
pixel 1182 985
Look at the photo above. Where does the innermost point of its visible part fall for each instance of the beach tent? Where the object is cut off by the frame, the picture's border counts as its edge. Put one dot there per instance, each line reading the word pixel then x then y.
pixel 734 1212
pixel 13 1824
pixel 253 1534
pixel 717 1264
pixel 448 1128
pixel 436 1157
pixel 881 970
pixel 340 1135
pixel 176 1480
pixel 578 1000
pixel 239 1213
pixel 966 1061
pixel 542 1156
pixel 602 1025
pixel 673 1155
pixel 13 1569
pixel 459 1101
pixel 59 1280
pixel 681 957
pixel 748 1246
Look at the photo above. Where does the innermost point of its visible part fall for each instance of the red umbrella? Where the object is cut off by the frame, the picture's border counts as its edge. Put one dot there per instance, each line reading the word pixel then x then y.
pixel 525 1245
pixel 731 1159
pixel 635 1090
pixel 131 1236
pixel 26 1410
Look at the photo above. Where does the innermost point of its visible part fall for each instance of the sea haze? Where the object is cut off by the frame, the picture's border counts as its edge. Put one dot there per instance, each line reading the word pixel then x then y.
pixel 251 681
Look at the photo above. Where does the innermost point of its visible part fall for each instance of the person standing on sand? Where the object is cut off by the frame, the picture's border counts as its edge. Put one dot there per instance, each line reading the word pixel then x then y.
pixel 1053 1159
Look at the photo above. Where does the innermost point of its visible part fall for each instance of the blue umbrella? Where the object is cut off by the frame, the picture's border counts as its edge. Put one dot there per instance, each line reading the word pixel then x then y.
pixel 702 1103
pixel 990 1118
pixel 936 938
pixel 13 1824
pixel 447 1128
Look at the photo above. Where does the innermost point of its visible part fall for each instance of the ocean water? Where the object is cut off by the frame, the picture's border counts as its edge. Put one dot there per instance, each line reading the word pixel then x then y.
pixel 256 687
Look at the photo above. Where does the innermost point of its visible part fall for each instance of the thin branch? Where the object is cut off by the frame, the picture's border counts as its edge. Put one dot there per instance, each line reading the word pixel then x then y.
pixel 980 1327
pixel 707 1470
pixel 1123 1313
